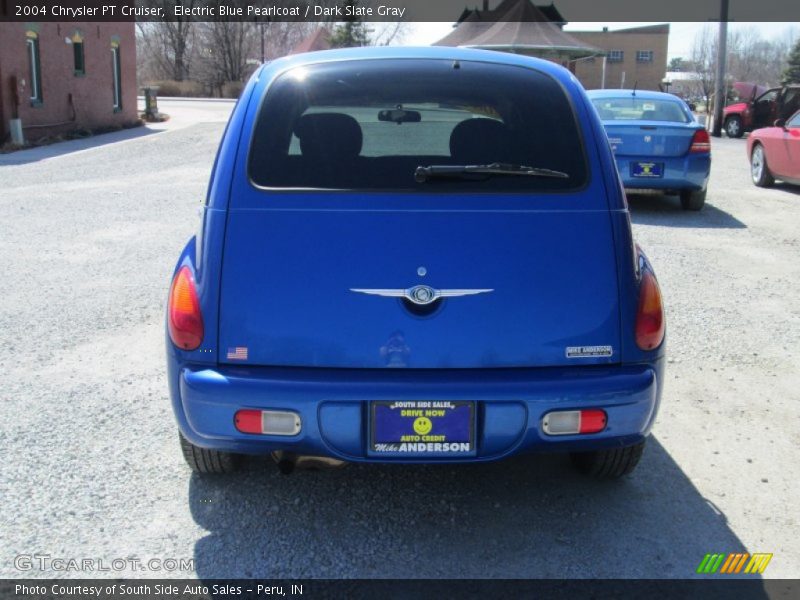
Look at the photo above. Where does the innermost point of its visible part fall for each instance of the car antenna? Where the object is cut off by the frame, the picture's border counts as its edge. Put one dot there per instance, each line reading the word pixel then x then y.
pixel 635 83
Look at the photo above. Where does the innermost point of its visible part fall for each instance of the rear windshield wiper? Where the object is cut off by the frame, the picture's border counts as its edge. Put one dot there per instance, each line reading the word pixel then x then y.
pixel 422 174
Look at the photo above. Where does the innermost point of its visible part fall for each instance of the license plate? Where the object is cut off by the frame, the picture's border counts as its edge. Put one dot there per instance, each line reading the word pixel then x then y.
pixel 647 169
pixel 422 427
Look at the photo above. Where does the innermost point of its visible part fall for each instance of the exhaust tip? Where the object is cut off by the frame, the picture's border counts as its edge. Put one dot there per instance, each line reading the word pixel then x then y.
pixel 285 460
pixel 288 461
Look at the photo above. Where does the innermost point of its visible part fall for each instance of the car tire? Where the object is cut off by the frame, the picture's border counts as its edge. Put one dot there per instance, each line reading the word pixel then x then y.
pixel 608 464
pixel 733 127
pixel 693 200
pixel 759 170
pixel 205 461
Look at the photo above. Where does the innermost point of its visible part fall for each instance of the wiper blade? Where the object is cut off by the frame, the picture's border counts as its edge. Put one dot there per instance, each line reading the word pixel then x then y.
pixel 422 174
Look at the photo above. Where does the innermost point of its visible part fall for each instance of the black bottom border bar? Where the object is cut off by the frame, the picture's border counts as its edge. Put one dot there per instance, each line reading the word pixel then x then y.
pixel 387 589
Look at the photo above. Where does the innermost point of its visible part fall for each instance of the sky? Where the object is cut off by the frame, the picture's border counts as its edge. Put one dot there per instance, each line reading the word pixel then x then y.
pixel 680 37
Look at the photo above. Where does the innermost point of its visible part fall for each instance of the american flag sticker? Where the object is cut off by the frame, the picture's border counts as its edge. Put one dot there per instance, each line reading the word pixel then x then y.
pixel 237 353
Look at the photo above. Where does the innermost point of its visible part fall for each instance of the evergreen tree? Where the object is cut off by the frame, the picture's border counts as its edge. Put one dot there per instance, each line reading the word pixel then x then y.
pixel 792 72
pixel 352 32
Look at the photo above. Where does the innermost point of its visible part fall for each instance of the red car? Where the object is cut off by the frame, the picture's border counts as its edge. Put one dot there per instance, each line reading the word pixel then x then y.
pixel 775 152
pixel 759 108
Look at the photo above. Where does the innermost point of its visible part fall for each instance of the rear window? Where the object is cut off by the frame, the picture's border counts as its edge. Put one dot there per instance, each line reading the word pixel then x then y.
pixel 371 124
pixel 640 109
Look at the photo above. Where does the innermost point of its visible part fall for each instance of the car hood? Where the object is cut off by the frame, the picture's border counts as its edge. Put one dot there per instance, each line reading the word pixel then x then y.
pixel 739 107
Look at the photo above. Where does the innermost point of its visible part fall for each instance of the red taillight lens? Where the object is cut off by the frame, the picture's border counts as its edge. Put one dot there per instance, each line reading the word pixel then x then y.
pixel 185 320
pixel 248 421
pixel 650 316
pixel 592 421
pixel 701 142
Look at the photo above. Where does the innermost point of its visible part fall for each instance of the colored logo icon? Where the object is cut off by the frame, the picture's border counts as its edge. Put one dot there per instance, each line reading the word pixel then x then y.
pixel 422 425
pixel 734 563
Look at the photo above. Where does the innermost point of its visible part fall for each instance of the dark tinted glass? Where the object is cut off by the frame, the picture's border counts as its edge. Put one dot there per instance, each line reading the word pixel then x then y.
pixel 369 124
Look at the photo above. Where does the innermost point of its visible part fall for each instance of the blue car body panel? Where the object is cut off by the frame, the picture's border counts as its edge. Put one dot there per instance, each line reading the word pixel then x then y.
pixel 562 266
pixel 662 144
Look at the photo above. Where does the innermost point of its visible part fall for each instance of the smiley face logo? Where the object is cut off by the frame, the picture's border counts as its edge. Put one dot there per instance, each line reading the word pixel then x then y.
pixel 422 425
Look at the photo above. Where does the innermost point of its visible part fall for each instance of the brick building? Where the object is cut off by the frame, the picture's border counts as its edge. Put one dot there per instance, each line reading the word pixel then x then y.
pixel 57 77
pixel 634 56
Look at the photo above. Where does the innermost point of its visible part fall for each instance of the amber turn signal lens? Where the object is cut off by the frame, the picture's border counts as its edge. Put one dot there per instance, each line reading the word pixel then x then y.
pixel 650 316
pixel 185 320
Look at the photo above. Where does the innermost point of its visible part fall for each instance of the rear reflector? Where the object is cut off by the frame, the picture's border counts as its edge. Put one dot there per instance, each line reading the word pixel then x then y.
pixel 267 422
pixel 701 142
pixel 570 422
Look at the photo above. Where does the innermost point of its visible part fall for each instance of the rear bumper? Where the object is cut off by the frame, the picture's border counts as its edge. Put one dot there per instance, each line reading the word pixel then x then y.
pixel 332 404
pixel 680 173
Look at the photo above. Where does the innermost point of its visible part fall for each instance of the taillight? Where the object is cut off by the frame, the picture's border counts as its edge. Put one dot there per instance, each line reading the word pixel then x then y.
pixel 569 422
pixel 185 320
pixel 650 316
pixel 700 142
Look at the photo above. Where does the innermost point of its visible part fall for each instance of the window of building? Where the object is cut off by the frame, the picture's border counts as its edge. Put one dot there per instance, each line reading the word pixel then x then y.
pixel 79 62
pixel 644 56
pixel 34 68
pixel 616 56
pixel 117 75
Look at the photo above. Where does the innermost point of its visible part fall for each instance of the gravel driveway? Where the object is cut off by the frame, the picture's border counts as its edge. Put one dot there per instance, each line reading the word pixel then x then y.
pixel 90 461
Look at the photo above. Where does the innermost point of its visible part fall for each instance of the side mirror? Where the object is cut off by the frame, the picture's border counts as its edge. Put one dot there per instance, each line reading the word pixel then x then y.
pixel 780 123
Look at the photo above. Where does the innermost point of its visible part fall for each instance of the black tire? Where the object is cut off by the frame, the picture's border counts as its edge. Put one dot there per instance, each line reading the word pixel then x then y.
pixel 733 127
pixel 608 464
pixel 759 169
pixel 205 461
pixel 693 200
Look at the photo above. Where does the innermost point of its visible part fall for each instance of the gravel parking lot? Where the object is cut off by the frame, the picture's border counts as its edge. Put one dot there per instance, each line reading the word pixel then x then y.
pixel 92 469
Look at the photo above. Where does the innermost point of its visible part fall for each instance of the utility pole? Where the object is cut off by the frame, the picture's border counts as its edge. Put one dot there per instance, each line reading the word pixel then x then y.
pixel 262 25
pixel 722 53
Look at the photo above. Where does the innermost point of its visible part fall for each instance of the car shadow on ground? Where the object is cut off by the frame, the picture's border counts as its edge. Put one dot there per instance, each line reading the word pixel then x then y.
pixel 31 155
pixel 788 187
pixel 666 211
pixel 526 517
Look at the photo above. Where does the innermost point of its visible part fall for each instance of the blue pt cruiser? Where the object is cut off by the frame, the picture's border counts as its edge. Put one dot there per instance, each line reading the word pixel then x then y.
pixel 414 256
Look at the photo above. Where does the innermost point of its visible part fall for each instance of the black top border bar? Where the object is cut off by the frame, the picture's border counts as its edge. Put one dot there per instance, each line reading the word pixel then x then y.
pixel 599 11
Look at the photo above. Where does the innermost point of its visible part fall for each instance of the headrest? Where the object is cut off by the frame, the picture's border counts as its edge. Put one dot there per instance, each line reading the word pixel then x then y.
pixel 329 135
pixel 479 140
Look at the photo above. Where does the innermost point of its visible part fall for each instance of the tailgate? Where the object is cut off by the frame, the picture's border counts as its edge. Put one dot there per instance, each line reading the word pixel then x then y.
pixel 288 275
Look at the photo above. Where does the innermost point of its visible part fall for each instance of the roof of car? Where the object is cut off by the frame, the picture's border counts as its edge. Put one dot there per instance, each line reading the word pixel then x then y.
pixel 646 94
pixel 422 52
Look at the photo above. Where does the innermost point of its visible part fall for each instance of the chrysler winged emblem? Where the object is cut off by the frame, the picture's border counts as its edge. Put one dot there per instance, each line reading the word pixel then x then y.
pixel 420 294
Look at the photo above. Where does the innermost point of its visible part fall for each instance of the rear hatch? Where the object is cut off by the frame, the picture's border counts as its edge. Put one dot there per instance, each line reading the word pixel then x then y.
pixel 327 221
pixel 288 278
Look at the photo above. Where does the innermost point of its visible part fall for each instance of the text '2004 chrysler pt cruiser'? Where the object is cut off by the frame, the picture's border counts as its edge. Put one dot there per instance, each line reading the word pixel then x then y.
pixel 414 255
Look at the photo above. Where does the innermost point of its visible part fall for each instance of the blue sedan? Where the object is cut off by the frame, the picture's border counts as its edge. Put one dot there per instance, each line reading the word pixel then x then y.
pixel 414 255
pixel 657 143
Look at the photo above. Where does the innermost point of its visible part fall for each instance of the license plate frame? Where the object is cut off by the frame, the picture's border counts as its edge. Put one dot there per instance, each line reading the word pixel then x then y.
pixel 397 428
pixel 647 169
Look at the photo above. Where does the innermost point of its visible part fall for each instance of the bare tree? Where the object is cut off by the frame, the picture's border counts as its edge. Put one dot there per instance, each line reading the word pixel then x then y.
pixel 703 56
pixel 167 45
pixel 387 34
pixel 225 47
